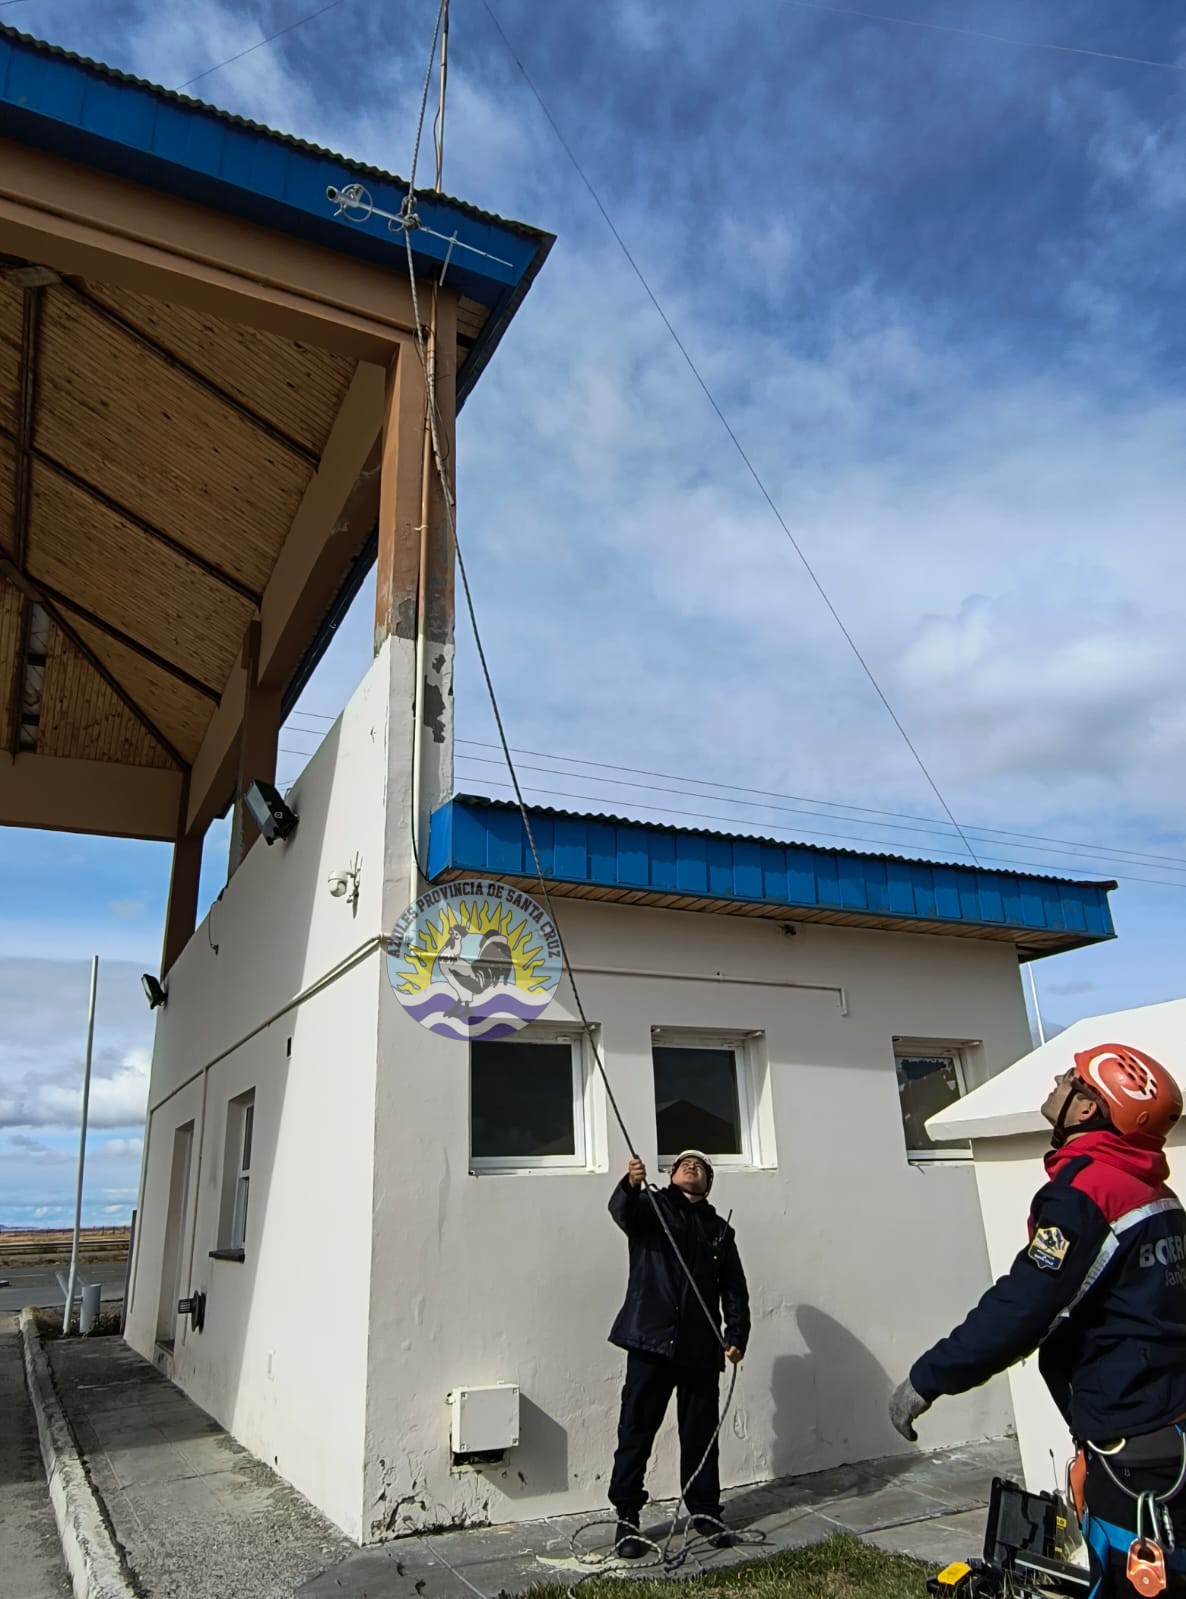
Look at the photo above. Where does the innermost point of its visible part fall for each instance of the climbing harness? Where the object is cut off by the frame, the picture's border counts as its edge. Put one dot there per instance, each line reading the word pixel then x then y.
pixel 1145 1567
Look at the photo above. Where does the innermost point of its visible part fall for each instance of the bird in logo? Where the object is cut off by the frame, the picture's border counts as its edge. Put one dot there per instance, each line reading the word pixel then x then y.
pixel 494 964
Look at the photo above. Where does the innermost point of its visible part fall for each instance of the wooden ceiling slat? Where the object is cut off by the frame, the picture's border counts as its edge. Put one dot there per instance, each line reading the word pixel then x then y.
pixel 165 450
pixel 10 352
pixel 180 713
pixel 10 633
pixel 143 589
pixel 7 495
pixel 471 317
pixel 297 387
pixel 82 717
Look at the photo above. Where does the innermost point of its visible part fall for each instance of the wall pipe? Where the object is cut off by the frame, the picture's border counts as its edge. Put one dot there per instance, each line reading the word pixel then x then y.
pixel 717 977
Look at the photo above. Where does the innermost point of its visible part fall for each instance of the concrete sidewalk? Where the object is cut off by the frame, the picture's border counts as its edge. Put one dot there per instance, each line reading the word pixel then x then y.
pixel 32 1560
pixel 200 1518
pixel 196 1515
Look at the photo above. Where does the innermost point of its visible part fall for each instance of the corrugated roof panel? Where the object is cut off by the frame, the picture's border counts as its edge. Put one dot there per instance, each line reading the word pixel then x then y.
pixel 100 117
pixel 645 859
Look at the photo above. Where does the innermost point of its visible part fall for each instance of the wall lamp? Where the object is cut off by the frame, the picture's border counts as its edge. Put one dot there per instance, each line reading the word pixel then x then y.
pixel 269 812
pixel 153 991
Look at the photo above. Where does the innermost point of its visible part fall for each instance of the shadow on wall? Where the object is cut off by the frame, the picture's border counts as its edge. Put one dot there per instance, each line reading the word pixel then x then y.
pixel 542 1456
pixel 824 1398
pixel 835 1392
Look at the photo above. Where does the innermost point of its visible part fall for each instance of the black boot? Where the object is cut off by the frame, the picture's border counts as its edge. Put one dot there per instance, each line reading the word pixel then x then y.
pixel 712 1529
pixel 627 1543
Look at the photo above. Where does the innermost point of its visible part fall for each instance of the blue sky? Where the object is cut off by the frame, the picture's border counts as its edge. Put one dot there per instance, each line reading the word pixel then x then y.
pixel 935 282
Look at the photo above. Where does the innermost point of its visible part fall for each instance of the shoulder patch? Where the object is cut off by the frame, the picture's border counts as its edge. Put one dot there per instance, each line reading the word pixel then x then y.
pixel 1049 1248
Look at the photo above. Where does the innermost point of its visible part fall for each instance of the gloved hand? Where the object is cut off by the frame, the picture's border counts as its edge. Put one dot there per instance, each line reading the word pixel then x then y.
pixel 905 1407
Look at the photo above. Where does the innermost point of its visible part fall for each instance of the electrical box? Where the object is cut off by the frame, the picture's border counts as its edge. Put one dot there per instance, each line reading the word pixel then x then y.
pixel 485 1420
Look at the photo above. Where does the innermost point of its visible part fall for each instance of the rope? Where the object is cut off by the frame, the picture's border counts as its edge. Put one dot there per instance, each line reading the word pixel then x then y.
pixel 435 430
pixel 734 439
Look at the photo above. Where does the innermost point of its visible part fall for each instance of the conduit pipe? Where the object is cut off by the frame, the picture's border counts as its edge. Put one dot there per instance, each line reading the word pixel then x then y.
pixel 716 977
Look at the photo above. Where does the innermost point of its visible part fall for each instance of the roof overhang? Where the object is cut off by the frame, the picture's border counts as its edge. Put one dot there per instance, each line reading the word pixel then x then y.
pixel 641 863
pixel 196 363
pixel 1008 1104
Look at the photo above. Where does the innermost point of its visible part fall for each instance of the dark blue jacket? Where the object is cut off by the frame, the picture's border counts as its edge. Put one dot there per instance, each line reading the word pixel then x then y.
pixel 1100 1291
pixel 661 1314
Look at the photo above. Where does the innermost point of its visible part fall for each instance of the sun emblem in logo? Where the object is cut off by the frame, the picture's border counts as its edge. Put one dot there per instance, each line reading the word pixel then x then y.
pixel 474 960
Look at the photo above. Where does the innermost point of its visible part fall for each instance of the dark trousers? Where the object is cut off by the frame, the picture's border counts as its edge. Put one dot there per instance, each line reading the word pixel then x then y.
pixel 650 1382
pixel 1110 1524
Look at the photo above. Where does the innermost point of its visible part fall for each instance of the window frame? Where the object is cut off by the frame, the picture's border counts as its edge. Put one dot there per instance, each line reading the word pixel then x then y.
pixel 934 1048
pixel 583 1113
pixel 747 1068
pixel 238 1155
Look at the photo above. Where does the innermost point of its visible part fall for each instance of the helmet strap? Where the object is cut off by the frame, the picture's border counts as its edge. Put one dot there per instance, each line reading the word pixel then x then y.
pixel 1098 1123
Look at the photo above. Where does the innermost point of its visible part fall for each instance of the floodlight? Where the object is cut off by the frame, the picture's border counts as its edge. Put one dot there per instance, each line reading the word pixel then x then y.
pixel 269 812
pixel 153 991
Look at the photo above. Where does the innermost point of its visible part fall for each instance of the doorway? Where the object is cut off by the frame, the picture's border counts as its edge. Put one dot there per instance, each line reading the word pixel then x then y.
pixel 171 1261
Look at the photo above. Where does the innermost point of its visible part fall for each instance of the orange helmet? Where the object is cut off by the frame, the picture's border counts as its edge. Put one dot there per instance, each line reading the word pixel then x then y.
pixel 1137 1092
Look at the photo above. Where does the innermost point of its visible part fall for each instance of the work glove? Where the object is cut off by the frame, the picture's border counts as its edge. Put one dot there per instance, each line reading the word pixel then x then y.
pixel 905 1407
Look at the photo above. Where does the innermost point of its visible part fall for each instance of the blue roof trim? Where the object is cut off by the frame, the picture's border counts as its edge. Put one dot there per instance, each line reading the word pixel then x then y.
pixel 95 115
pixel 480 835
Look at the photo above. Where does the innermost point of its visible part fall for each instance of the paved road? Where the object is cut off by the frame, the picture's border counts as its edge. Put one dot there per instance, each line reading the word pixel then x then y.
pixel 38 1285
pixel 33 1565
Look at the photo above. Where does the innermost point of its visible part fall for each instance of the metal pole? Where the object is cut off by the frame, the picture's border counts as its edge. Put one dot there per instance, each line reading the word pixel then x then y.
pixel 441 107
pixel 86 1101
pixel 1029 971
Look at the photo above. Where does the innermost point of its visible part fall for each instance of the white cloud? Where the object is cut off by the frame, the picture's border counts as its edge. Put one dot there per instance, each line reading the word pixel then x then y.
pixel 123 1148
pixel 117 1099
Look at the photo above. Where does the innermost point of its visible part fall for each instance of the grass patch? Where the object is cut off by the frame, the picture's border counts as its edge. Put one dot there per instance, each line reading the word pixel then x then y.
pixel 840 1568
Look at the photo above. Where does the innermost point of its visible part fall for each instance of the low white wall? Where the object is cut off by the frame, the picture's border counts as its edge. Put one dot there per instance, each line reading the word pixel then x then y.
pixel 282 1358
pixel 856 1260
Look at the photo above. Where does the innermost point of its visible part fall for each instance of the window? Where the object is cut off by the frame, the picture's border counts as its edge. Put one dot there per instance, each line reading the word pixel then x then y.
pixel 706 1096
pixel 930 1077
pixel 236 1176
pixel 529 1102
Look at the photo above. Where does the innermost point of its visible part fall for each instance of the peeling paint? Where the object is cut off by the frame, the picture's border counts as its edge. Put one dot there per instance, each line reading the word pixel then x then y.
pixel 434 711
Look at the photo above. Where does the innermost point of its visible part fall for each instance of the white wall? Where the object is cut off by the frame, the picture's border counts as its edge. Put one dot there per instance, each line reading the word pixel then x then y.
pixel 856 1260
pixel 282 1359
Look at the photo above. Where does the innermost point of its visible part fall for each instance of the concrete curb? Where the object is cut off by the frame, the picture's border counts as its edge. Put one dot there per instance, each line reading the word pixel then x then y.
pixel 91 1556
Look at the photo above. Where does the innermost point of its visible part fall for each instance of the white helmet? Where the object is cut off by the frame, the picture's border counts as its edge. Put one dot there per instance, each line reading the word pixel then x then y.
pixel 694 1154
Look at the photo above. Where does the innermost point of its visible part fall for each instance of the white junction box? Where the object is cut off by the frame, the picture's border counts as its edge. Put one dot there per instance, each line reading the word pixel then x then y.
pixel 485 1420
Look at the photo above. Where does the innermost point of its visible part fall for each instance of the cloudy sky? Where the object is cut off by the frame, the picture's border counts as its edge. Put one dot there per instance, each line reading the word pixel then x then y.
pixel 933 276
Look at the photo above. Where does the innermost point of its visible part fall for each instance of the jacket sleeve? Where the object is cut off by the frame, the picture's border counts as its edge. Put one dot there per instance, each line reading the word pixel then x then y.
pixel 734 1295
pixel 630 1209
pixel 1019 1310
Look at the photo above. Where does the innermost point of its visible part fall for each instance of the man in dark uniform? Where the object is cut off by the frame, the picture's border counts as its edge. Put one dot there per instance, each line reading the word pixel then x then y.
pixel 1100 1291
pixel 672 1344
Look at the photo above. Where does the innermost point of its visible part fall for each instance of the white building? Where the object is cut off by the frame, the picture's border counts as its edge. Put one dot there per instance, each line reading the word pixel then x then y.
pixel 221 371
pixel 385 1265
pixel 1002 1122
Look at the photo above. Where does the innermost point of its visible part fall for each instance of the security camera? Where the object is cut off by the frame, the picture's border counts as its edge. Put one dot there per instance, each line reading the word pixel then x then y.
pixel 339 883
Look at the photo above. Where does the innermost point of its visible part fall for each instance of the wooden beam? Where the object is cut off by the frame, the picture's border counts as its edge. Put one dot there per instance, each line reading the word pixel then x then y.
pixel 259 734
pixel 90 224
pixel 78 796
pixel 44 591
pixel 37 597
pixel 181 908
pixel 333 521
pixel 199 379
pixel 140 523
pixel 401 484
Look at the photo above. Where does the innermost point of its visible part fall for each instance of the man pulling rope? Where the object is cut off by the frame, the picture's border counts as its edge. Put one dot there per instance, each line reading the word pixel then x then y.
pixel 669 1327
